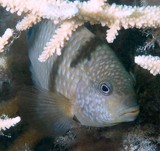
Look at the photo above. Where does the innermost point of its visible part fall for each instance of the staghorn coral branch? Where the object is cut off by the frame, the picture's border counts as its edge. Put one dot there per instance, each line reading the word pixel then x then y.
pixel 57 42
pixel 118 16
pixel 112 32
pixel 151 63
pixel 28 22
pixel 94 11
pixel 8 122
pixel 4 39
pixel 48 9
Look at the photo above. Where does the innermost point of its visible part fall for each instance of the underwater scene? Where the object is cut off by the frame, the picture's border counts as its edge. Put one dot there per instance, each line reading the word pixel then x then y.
pixel 79 75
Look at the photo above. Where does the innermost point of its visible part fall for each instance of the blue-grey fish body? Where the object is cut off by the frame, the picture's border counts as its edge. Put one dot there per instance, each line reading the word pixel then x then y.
pixel 87 81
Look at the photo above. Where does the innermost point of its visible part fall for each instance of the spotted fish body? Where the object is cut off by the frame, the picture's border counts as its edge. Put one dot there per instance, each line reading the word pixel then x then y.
pixel 89 80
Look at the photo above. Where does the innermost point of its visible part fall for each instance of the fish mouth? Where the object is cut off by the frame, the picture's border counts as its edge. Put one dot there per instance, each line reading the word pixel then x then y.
pixel 130 114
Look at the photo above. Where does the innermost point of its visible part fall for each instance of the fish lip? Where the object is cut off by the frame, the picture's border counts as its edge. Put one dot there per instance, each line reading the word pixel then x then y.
pixel 132 111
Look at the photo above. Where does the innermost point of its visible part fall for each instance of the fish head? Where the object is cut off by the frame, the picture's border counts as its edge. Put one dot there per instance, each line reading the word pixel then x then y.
pixel 105 95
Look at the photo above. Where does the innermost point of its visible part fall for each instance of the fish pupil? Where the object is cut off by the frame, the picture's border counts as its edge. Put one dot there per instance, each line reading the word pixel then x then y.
pixel 105 88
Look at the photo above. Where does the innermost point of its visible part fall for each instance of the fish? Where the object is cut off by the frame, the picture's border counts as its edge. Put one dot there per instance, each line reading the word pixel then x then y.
pixel 86 84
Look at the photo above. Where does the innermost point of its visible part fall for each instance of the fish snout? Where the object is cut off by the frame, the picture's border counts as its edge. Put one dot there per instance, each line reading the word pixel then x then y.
pixel 129 114
pixel 130 109
pixel 123 108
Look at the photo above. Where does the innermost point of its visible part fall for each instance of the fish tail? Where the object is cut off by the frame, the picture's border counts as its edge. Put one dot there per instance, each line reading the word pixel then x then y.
pixel 48 112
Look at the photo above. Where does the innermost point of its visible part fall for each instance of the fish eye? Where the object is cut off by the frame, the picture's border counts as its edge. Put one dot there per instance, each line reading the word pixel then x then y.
pixel 105 88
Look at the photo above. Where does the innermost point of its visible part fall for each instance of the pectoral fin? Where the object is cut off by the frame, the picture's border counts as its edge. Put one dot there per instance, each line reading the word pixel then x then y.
pixel 48 112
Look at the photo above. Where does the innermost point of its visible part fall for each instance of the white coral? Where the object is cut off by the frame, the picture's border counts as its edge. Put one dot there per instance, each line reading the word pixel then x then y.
pixel 4 39
pixel 93 11
pixel 151 63
pixel 6 123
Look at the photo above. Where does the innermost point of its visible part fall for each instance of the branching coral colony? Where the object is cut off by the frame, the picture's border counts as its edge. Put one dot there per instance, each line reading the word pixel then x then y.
pixel 71 15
